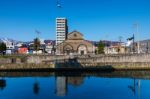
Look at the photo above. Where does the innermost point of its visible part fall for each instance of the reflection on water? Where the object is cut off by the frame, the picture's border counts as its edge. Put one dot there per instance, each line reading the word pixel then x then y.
pixel 36 87
pixel 61 86
pixel 63 82
pixel 2 84
pixel 134 86
pixel 56 85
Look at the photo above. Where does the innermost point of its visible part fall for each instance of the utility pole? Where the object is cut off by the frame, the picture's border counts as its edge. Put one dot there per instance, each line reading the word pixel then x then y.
pixel 120 39
pixel 38 33
pixel 147 48
pixel 106 43
pixel 119 46
pixel 133 43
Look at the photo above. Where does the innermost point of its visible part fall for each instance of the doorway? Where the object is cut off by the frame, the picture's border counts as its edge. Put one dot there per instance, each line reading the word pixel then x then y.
pixel 82 52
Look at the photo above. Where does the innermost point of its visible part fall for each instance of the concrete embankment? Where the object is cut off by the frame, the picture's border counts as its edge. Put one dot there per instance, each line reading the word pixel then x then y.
pixel 87 62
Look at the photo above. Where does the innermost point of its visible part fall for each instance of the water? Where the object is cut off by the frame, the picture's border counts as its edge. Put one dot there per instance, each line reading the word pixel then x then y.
pixel 47 85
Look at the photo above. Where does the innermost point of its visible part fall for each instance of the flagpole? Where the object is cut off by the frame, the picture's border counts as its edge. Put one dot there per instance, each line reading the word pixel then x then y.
pixel 133 43
pixel 137 31
pixel 138 40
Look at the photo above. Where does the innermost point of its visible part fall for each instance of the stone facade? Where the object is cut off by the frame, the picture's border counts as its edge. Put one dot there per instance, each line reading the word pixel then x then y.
pixel 116 50
pixel 75 44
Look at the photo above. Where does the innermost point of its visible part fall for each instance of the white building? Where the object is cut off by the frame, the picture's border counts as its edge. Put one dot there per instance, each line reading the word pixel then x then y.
pixel 61 30
pixel 9 44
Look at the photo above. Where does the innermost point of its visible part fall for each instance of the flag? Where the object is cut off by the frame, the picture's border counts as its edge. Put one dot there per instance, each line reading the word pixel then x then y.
pixel 131 38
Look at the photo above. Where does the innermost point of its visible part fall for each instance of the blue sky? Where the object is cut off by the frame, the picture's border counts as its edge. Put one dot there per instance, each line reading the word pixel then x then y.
pixel 96 19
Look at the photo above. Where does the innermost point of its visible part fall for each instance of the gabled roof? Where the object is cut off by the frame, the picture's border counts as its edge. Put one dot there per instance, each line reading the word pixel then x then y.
pixel 75 31
pixel 75 35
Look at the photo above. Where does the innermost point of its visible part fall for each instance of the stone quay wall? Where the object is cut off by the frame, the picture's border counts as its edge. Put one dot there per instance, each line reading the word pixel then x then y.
pixel 124 58
pixel 124 61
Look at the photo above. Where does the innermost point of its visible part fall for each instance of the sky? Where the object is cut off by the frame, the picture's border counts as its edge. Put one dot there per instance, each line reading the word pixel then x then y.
pixel 95 19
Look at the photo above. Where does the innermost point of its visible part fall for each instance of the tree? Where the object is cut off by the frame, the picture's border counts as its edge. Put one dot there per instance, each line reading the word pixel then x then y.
pixel 36 44
pixel 101 46
pixel 2 47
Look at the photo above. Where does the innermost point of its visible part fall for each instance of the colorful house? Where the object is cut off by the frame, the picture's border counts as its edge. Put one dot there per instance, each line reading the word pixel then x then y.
pixel 22 50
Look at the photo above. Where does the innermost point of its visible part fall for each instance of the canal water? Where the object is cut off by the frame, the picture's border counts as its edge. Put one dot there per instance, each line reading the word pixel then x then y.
pixel 51 85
